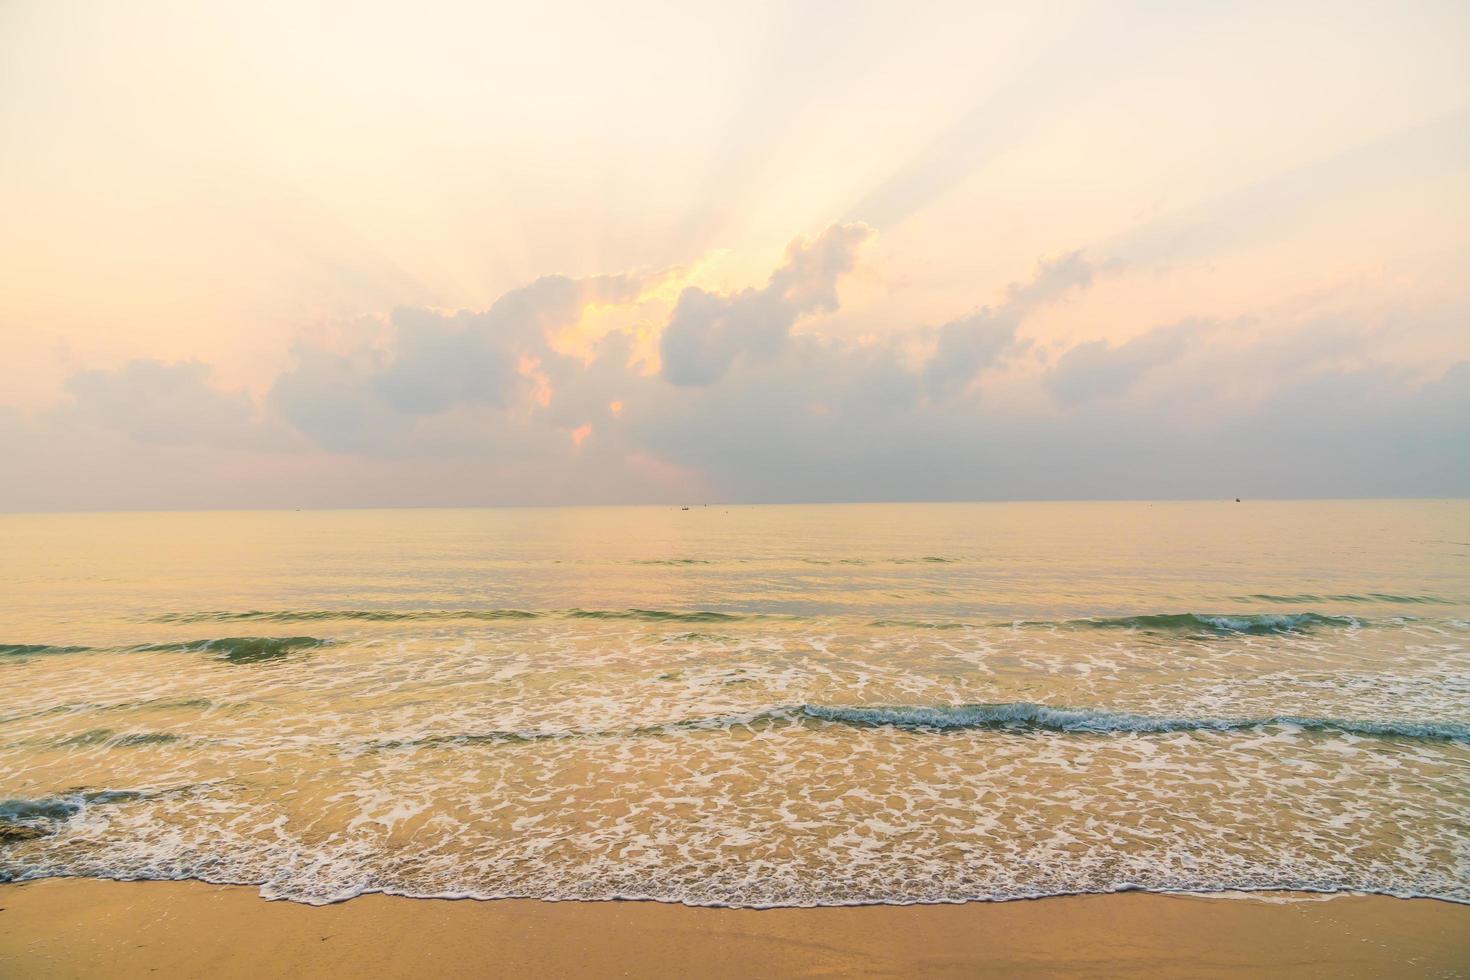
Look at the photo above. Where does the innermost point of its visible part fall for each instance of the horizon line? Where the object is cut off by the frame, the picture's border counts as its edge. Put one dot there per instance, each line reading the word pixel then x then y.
pixel 743 504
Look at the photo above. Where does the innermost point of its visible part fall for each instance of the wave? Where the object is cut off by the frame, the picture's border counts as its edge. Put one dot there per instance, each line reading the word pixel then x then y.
pixel 1304 598
pixel 413 615
pixel 1213 623
pixel 673 561
pixel 22 820
pixel 37 649
pixel 371 615
pixel 1028 716
pixel 1220 623
pixel 661 615
pixel 254 649
pixel 232 649
pixel 920 624
pixel 922 560
pixel 106 736
pixel 760 718
pixel 1009 716
pixel 1192 623
pixel 237 649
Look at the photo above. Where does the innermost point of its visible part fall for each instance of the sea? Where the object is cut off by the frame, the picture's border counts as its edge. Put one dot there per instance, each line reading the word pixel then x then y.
pixel 748 706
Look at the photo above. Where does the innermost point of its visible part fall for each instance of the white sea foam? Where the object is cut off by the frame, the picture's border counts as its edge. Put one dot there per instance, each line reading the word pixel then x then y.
pixel 767 764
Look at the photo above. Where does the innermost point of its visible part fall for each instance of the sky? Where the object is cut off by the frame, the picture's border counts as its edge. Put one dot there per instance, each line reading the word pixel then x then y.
pixel 305 254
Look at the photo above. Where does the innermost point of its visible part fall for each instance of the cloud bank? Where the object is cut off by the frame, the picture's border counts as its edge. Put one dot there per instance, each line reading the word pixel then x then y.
pixel 434 407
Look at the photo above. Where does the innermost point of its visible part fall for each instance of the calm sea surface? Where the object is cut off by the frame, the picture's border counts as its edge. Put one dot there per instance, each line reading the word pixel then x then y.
pixel 743 705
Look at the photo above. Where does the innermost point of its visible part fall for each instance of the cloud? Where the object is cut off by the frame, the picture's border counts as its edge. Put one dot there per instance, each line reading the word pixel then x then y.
pixel 1099 368
pixel 332 399
pixel 435 362
pixel 1052 280
pixel 441 361
pixel 163 403
pixel 1372 432
pixel 428 406
pixel 967 346
pixel 709 332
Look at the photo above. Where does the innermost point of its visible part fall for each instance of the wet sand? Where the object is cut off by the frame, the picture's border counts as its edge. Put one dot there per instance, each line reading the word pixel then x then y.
pixel 75 928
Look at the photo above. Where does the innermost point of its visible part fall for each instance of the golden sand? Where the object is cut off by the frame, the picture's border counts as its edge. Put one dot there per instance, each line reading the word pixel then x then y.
pixel 76 928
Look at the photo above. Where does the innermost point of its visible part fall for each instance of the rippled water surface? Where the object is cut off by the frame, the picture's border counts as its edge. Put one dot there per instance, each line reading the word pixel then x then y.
pixel 743 705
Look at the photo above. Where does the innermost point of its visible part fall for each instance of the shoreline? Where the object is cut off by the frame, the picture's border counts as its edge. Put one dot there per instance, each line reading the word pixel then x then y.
pixel 1268 896
pixel 64 927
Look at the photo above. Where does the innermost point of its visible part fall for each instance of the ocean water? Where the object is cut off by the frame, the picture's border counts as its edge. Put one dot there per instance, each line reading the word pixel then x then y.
pixel 749 706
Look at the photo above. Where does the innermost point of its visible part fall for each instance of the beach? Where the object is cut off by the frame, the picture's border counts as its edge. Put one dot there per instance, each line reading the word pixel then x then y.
pixel 710 490
pixel 72 928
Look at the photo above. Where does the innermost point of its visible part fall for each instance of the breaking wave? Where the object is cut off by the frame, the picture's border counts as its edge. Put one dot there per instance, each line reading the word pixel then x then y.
pixel 231 649
pixel 22 820
pixel 237 649
pixel 1011 716
pixel 1218 623
pixel 1024 715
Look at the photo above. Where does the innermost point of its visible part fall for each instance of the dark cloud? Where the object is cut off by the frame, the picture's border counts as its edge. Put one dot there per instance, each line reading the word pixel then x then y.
pixel 1098 368
pixel 968 346
pixel 334 401
pixel 441 361
pixel 762 437
pixel 709 332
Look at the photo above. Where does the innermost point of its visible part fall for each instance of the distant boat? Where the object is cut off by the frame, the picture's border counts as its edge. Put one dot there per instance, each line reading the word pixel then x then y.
pixel 683 508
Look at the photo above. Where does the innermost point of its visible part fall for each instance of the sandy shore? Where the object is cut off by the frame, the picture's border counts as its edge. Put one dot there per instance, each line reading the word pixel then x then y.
pixel 76 928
